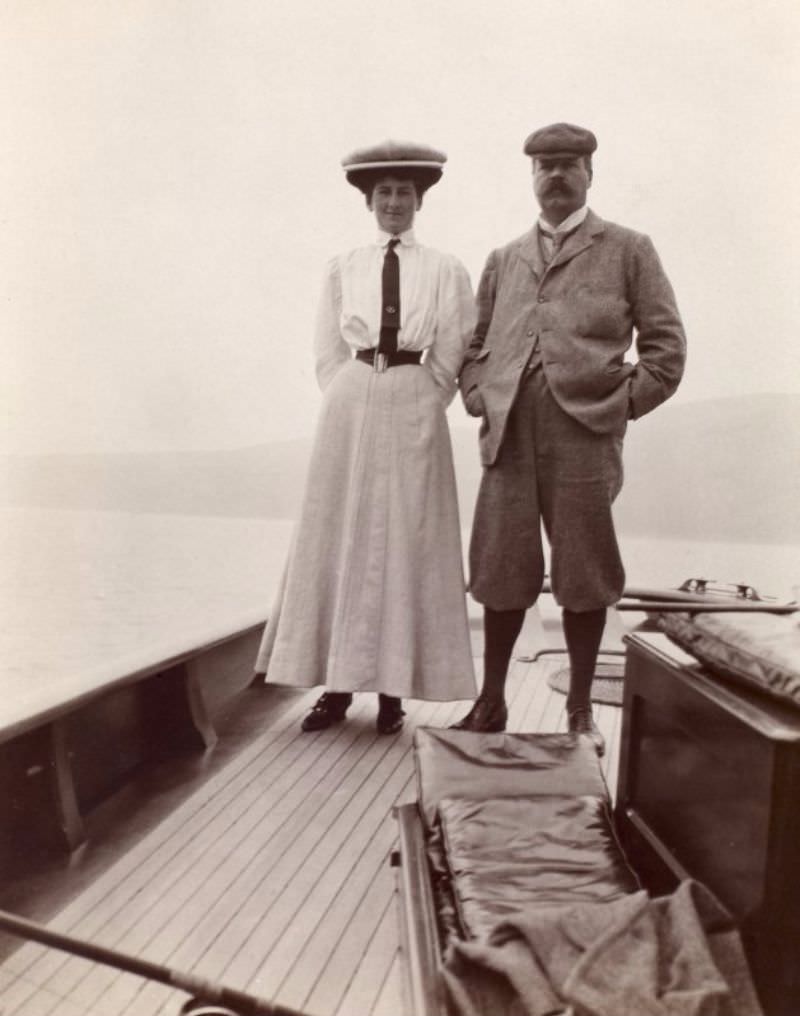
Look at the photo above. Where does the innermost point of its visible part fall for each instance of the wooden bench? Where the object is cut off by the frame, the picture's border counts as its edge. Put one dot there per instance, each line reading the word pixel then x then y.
pixel 123 633
pixel 60 758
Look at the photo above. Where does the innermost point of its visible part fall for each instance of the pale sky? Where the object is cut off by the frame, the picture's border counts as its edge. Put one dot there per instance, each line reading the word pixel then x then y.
pixel 170 187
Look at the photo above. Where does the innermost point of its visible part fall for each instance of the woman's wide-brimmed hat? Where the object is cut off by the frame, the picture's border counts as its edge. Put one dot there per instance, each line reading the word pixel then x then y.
pixel 421 163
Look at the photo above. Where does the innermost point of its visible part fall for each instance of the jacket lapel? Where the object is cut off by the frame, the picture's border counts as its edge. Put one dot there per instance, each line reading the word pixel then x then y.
pixel 530 252
pixel 582 238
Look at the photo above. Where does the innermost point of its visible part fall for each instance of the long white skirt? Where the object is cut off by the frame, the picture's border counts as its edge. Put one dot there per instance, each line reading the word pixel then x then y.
pixel 373 594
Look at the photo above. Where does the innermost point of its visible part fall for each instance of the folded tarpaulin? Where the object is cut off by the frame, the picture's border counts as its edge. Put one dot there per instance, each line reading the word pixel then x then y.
pixel 676 955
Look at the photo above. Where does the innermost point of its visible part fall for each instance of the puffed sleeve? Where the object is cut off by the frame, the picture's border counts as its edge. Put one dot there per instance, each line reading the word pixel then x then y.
pixel 330 349
pixel 455 322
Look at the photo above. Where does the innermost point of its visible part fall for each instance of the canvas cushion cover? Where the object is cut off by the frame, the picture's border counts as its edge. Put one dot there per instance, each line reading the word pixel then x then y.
pixel 761 650
pixel 458 763
pixel 507 855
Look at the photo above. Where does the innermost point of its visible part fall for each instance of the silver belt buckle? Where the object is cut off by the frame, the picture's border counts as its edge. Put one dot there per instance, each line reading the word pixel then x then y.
pixel 380 363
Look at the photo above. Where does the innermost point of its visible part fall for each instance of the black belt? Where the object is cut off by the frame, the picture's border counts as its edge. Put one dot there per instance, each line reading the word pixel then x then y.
pixel 397 359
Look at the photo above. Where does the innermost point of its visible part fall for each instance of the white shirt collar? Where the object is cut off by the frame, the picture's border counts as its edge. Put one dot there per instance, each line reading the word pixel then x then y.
pixel 406 239
pixel 567 224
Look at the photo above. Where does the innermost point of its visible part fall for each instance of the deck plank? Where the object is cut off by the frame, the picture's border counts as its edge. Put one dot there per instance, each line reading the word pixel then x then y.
pixel 137 912
pixel 355 931
pixel 141 864
pixel 535 676
pixel 365 984
pixel 312 953
pixel 289 914
pixel 237 906
pixel 390 1000
pixel 94 914
pixel 337 866
pixel 340 932
pixel 553 716
pixel 273 913
pixel 355 876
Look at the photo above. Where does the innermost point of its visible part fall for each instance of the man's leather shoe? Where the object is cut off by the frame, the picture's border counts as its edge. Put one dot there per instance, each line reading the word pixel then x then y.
pixel 390 714
pixel 581 721
pixel 487 716
pixel 330 708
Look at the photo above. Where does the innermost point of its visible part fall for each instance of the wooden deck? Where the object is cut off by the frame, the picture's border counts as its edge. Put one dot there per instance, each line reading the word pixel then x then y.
pixel 274 878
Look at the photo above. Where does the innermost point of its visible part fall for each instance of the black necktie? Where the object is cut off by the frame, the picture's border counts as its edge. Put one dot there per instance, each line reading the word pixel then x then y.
pixel 390 300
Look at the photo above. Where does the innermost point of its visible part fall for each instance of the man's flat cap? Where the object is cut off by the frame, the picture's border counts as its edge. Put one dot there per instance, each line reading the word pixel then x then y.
pixel 422 162
pixel 558 138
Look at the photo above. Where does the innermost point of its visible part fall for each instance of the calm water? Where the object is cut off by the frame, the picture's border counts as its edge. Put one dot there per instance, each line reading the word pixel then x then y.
pixel 88 596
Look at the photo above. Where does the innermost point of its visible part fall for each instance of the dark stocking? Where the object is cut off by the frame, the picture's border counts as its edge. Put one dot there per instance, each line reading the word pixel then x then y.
pixel 583 633
pixel 500 631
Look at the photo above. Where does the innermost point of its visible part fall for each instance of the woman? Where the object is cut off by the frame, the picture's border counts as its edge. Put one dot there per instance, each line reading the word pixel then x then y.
pixel 373 596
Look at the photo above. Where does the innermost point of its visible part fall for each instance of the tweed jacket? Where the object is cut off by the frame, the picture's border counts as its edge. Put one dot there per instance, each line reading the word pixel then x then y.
pixel 578 314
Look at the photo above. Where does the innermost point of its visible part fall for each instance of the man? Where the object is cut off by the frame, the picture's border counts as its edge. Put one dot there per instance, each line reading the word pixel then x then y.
pixel 546 370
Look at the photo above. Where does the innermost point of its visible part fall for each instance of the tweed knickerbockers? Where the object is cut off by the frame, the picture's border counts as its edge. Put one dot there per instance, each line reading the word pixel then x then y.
pixel 552 470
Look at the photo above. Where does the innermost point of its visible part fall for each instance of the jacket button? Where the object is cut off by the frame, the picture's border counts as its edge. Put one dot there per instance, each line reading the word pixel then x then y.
pixel 531 332
pixel 541 300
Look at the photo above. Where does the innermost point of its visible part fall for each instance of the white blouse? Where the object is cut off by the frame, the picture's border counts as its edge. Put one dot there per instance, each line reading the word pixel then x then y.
pixel 437 310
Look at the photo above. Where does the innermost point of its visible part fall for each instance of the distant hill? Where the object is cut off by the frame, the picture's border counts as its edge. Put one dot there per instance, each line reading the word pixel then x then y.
pixel 724 469
pixel 259 481
pixel 721 469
